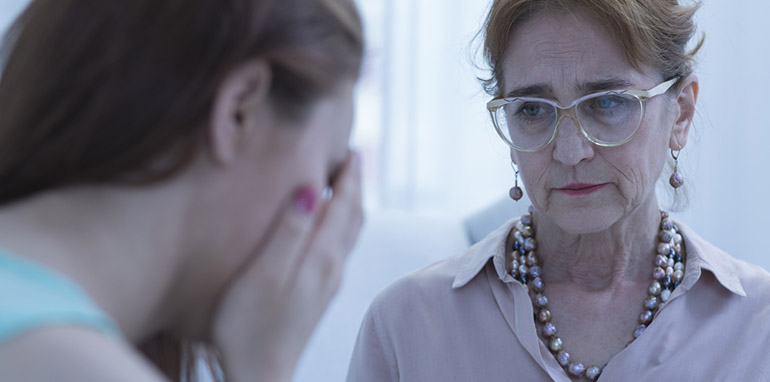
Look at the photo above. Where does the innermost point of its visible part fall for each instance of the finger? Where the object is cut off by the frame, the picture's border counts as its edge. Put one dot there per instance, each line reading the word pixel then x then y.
pixel 351 190
pixel 286 241
pixel 338 227
pixel 341 219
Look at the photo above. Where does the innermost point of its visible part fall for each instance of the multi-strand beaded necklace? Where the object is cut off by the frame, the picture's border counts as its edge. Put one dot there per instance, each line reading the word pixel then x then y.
pixel 667 274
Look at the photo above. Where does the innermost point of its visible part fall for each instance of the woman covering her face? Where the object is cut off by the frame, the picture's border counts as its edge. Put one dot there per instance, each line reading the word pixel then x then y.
pixel 161 171
pixel 596 281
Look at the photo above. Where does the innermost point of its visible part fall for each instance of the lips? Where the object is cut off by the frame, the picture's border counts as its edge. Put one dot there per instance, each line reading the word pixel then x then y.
pixel 581 188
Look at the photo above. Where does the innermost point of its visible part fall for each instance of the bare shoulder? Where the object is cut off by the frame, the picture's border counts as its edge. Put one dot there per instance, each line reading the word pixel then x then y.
pixel 70 353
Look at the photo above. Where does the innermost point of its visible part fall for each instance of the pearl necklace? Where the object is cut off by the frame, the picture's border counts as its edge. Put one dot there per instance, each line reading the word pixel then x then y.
pixel 667 274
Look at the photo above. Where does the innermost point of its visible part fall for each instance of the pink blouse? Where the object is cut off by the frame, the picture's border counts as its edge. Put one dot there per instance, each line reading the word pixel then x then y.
pixel 466 319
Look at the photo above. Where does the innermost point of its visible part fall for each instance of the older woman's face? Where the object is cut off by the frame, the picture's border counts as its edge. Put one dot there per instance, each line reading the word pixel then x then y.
pixel 580 186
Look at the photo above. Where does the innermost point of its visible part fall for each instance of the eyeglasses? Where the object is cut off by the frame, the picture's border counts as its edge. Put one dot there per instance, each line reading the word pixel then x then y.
pixel 608 118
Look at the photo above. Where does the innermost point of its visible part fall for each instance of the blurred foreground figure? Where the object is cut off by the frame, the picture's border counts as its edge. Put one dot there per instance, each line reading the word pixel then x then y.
pixel 161 171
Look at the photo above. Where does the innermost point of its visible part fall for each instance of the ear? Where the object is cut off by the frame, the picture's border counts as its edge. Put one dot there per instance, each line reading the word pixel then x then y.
pixel 688 96
pixel 241 98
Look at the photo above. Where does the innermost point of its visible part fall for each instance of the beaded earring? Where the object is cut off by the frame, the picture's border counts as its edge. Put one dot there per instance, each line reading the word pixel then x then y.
pixel 515 193
pixel 677 179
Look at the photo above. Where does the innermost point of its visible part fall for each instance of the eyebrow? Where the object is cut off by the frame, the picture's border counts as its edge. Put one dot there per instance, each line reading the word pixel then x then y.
pixel 544 90
pixel 538 90
pixel 609 84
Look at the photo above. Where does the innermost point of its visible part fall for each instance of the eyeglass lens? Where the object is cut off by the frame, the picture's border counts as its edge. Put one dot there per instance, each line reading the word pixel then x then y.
pixel 607 118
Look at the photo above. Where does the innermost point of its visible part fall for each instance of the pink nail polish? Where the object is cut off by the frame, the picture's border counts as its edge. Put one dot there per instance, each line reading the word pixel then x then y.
pixel 305 200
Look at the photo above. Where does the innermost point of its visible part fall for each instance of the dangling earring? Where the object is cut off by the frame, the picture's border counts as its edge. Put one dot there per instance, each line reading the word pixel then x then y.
pixel 515 193
pixel 677 179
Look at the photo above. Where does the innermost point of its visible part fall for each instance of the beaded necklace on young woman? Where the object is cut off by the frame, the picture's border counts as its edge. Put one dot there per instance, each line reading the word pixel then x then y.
pixel 667 274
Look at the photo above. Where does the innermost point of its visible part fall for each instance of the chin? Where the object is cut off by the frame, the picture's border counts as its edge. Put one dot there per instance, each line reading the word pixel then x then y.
pixel 584 219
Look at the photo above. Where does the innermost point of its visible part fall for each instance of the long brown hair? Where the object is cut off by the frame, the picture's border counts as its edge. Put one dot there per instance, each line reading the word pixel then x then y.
pixel 121 91
pixel 97 91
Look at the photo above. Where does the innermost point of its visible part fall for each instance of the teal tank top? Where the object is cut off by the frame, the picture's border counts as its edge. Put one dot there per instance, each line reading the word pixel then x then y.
pixel 32 296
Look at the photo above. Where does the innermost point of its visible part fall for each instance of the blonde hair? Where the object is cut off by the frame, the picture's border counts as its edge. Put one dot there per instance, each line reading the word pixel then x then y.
pixel 651 32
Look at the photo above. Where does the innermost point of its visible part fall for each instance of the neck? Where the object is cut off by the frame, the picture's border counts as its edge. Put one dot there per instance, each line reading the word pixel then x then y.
pixel 621 254
pixel 113 243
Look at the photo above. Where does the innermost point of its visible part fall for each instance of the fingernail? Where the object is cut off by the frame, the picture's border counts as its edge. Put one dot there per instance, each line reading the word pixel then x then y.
pixel 305 200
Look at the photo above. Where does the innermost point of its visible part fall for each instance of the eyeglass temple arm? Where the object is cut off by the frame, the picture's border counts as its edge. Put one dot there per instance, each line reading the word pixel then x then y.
pixel 658 90
pixel 495 103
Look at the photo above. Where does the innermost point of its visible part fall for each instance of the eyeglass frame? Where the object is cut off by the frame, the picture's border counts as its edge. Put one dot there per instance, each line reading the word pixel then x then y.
pixel 571 111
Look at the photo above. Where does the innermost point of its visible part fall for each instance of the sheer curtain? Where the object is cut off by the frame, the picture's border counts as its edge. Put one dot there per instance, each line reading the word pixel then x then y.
pixel 422 123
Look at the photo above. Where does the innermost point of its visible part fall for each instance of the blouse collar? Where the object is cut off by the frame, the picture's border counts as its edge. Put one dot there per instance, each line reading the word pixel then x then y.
pixel 700 255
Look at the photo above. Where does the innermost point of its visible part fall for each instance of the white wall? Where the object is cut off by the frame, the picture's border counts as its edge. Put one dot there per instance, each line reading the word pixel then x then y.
pixel 8 11
pixel 731 206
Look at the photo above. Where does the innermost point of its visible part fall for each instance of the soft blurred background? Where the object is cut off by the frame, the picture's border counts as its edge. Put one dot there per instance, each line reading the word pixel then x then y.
pixel 431 158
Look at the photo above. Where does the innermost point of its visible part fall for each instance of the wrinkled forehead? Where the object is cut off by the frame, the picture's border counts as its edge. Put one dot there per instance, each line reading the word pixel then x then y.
pixel 565 50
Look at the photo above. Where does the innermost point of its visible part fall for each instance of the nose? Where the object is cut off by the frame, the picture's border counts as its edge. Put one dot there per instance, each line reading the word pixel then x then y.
pixel 570 146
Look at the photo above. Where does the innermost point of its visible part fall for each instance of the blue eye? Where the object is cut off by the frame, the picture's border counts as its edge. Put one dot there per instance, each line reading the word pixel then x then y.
pixel 608 101
pixel 531 110
pixel 608 105
pixel 530 115
pixel 609 111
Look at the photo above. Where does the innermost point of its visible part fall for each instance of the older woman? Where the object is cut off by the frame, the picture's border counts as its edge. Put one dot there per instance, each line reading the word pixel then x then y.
pixel 595 282
pixel 165 176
